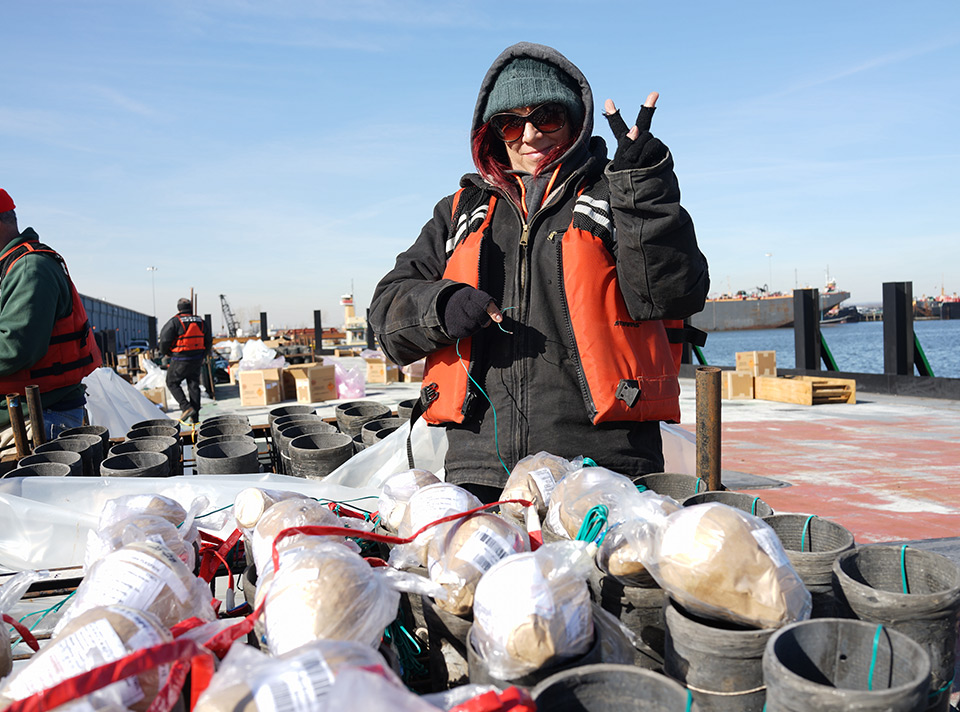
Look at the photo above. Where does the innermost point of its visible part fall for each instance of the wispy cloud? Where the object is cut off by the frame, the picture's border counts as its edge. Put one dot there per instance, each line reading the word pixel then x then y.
pixel 123 101
pixel 883 60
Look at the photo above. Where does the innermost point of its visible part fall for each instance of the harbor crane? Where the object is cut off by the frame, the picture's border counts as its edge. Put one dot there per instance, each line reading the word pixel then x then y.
pixel 233 326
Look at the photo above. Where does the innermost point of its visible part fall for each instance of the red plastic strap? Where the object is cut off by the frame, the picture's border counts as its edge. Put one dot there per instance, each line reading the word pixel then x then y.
pixel 221 642
pixel 200 674
pixel 134 664
pixel 513 699
pixel 185 625
pixel 210 538
pixel 314 530
pixel 209 565
pixel 375 562
pixel 343 511
pixel 536 540
pixel 23 632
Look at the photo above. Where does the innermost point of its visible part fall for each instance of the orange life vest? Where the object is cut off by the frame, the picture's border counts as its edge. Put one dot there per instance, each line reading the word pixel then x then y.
pixel 192 337
pixel 72 353
pixel 628 369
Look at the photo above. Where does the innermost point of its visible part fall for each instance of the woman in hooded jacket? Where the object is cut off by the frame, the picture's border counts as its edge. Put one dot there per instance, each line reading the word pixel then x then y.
pixel 541 292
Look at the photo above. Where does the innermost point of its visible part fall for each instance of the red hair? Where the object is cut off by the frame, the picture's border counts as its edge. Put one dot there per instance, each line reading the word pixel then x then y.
pixel 490 156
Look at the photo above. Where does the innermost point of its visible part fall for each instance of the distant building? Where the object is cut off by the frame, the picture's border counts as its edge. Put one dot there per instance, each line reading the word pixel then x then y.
pixel 355 326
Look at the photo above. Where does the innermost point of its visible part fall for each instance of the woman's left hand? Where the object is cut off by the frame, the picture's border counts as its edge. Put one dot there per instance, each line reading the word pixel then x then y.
pixel 636 147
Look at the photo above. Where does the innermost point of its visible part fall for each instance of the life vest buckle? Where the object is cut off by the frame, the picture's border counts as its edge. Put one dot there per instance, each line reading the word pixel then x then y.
pixel 628 390
pixel 428 394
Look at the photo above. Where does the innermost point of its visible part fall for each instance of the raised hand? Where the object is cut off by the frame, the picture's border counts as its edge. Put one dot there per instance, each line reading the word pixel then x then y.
pixel 636 147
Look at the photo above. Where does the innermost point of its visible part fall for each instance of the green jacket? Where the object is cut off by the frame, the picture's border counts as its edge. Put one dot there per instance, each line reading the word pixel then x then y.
pixel 33 295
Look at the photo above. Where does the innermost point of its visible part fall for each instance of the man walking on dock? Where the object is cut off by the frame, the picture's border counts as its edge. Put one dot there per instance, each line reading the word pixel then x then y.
pixel 187 341
pixel 45 338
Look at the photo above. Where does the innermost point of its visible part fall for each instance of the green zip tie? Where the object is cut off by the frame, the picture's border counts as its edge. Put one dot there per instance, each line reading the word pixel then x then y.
pixel 753 507
pixel 873 659
pixel 903 568
pixel 641 488
pixel 806 528
pixel 690 701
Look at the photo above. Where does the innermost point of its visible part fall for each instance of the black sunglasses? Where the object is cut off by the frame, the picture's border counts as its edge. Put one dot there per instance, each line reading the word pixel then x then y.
pixel 546 118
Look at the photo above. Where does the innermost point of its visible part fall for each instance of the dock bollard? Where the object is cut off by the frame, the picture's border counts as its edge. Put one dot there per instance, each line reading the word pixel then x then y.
pixel 708 426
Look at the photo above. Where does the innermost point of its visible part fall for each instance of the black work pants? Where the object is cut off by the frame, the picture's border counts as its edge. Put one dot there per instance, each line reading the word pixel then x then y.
pixel 188 371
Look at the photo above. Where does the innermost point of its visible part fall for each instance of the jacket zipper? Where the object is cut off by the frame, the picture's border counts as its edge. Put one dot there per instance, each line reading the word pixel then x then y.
pixel 575 352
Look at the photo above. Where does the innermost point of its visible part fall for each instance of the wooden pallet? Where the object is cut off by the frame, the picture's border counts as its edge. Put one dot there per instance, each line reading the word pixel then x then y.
pixel 805 390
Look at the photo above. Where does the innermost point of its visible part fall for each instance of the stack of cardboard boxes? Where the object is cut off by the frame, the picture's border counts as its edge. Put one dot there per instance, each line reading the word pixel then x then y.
pixel 305 382
pixel 738 385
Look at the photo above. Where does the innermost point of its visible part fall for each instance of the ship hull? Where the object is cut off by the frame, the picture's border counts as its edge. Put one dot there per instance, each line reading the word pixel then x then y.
pixel 755 313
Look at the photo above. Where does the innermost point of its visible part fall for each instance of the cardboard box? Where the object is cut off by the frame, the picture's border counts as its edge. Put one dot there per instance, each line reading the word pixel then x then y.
pixel 736 385
pixel 757 363
pixel 156 395
pixel 413 372
pixel 310 382
pixel 345 352
pixel 382 371
pixel 262 387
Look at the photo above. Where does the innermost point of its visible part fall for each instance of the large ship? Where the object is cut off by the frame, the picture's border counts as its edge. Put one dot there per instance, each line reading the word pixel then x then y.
pixel 758 310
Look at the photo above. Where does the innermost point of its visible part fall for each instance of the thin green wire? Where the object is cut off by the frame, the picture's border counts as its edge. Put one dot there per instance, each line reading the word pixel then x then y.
pixel 43 614
pixel 690 701
pixel 589 462
pixel 700 482
pixel 806 528
pixel 753 507
pixel 873 659
pixel 496 436
pixel 903 568
pixel 594 524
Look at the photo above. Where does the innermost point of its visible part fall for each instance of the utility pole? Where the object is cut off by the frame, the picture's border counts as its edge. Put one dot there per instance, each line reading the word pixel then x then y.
pixel 153 282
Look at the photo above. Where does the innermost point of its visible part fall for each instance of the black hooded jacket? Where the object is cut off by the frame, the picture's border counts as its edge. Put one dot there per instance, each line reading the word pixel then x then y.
pixel 529 375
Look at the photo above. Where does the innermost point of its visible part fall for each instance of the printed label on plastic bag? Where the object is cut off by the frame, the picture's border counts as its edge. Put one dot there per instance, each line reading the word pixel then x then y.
pixel 297 689
pixel 429 505
pixel 484 548
pixel 92 645
pixel 545 482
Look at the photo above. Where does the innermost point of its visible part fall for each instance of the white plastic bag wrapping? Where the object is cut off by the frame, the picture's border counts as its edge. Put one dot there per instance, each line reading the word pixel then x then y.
pixel 323 590
pixel 530 609
pixel 396 493
pixel 11 592
pixel 427 505
pixel 464 549
pixel 373 465
pixel 146 576
pixel 287 513
pixel 256 356
pixel 146 517
pixel 252 681
pixel 113 536
pixel 723 563
pixel 534 478
pixel 115 404
pixel 46 519
pixel 360 689
pixel 626 543
pixel 154 376
pixel 98 636
pixel 581 490
pixel 251 504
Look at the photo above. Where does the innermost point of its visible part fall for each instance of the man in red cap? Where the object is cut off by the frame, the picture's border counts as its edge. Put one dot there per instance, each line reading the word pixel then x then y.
pixel 45 338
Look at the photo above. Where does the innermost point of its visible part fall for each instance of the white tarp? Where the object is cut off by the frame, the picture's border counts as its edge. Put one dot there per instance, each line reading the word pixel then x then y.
pixel 45 520
pixel 115 404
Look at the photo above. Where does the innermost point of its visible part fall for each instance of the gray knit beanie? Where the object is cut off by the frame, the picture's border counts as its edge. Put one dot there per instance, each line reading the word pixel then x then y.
pixel 530 82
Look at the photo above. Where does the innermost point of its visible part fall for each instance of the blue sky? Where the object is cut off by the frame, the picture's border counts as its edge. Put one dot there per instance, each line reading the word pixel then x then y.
pixel 282 153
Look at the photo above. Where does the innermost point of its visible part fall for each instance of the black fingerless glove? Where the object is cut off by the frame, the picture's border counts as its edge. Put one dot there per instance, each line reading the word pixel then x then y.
pixel 465 312
pixel 645 151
